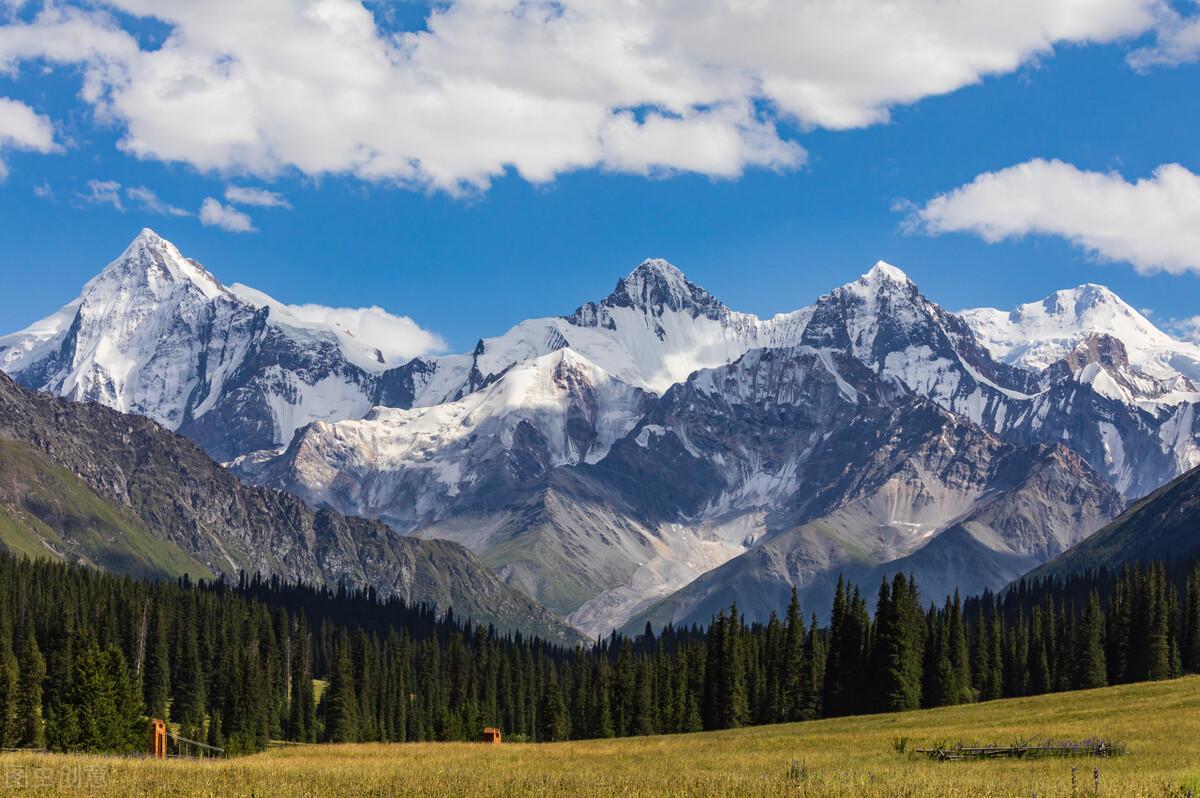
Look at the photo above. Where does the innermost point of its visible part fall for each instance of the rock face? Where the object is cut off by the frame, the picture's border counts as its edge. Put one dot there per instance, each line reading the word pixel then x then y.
pixel 177 511
pixel 1160 527
pixel 827 468
pixel 656 454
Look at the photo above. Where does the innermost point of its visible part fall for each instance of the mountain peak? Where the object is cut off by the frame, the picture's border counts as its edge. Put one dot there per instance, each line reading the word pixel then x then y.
pixel 1082 298
pixel 883 271
pixel 657 266
pixel 655 287
pixel 882 278
pixel 1094 308
pixel 656 278
pixel 149 258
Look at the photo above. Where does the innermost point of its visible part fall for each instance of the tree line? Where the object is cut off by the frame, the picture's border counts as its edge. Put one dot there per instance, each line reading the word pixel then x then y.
pixel 86 657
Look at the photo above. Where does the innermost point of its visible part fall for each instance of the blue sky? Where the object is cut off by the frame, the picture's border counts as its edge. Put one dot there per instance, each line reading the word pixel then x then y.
pixel 470 259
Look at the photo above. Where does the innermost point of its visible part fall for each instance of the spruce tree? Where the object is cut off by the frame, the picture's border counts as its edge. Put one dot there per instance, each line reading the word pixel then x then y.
pixel 794 672
pixel 602 722
pixel 553 721
pixel 1158 649
pixel 1039 663
pixel 9 694
pixel 645 716
pixel 1091 670
pixel 339 703
pixel 734 710
pixel 31 731
pixel 1191 623
pixel 156 671
pixel 959 655
pixel 813 693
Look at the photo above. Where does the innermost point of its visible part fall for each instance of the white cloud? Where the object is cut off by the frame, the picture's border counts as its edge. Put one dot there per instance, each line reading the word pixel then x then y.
pixel 103 192
pixel 226 217
pixel 1178 42
pixel 149 201
pixel 1152 223
pixel 43 190
pixel 243 195
pixel 22 128
pixel 1186 329
pixel 398 338
pixel 537 86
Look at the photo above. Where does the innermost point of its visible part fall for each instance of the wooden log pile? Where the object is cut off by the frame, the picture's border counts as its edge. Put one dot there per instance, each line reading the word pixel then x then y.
pixel 1026 750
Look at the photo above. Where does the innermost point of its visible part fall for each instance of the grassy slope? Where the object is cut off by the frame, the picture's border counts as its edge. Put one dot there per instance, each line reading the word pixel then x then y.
pixel 46 511
pixel 1160 722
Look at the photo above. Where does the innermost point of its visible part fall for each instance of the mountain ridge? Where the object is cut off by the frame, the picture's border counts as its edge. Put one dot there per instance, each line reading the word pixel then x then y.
pixel 605 459
pixel 175 494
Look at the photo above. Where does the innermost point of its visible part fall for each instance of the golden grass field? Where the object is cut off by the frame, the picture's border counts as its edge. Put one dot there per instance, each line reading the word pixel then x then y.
pixel 1160 723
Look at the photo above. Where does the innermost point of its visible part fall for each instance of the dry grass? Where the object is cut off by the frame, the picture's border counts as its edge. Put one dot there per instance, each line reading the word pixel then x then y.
pixel 846 757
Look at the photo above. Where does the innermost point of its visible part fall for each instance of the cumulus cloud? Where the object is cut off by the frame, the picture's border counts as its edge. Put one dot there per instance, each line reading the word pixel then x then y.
pixel 22 128
pixel 1186 329
pixel 398 338
pixel 226 217
pixel 1178 42
pixel 540 87
pixel 103 192
pixel 149 201
pixel 1152 223
pixel 243 195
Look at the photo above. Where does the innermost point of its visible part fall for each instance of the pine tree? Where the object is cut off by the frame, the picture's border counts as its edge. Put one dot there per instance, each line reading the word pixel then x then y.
pixel 1040 680
pixel 734 710
pixel 995 642
pixel 187 677
pixel 1158 649
pixel 602 722
pixel 339 703
pixel 958 654
pixel 941 678
pixel 301 707
pixel 793 671
pixel 31 732
pixel 553 721
pixel 645 717
pixel 9 693
pixel 897 648
pixel 156 671
pixel 1191 624
pixel 812 694
pixel 62 721
pixel 128 731
pixel 1091 670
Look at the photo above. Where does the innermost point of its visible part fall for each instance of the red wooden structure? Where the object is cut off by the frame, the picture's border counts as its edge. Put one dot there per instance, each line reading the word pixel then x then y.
pixel 491 735
pixel 158 739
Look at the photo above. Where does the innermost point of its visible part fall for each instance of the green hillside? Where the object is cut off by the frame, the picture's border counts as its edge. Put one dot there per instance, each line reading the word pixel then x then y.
pixel 48 512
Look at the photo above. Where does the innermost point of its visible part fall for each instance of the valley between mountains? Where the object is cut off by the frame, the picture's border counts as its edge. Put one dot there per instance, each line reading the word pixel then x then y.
pixel 650 456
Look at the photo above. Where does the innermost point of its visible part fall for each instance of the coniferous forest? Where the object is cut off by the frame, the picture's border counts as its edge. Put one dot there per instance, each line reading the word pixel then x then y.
pixel 87 656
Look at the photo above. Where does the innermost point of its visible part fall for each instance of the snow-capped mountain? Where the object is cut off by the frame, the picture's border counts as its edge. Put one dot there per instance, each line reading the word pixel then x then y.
pixel 156 334
pixel 655 453
pixel 408 466
pixel 1039 334
pixel 1070 379
pixel 652 331
pixel 1111 385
